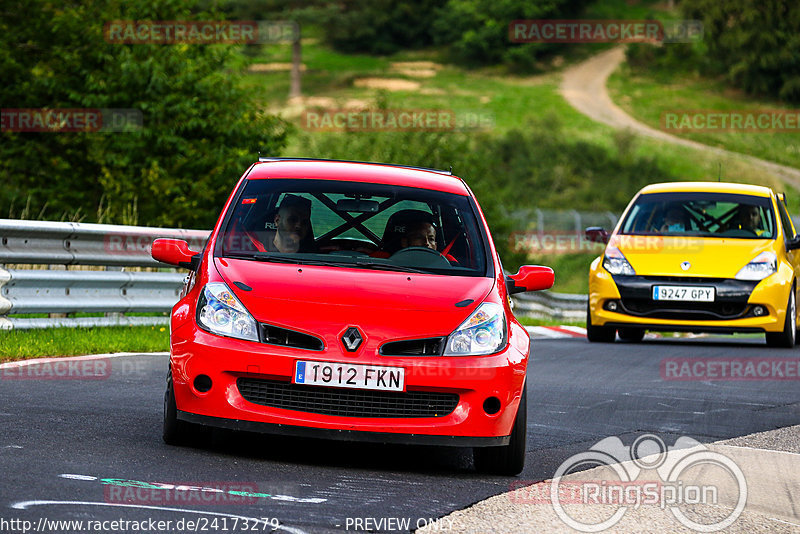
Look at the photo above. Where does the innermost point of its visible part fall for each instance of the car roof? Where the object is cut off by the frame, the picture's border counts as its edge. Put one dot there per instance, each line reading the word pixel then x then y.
pixel 358 172
pixel 708 187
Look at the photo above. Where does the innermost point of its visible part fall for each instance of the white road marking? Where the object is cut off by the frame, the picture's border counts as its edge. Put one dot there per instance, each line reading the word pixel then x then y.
pixel 24 505
pixel 787 522
pixel 38 361
pixel 77 477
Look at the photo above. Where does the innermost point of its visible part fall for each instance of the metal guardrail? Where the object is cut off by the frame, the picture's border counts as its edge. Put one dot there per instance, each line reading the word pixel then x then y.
pixel 65 243
pixel 549 305
pixel 114 291
pixel 111 292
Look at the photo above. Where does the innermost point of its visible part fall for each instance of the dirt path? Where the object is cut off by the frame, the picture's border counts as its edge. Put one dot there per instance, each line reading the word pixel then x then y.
pixel 584 87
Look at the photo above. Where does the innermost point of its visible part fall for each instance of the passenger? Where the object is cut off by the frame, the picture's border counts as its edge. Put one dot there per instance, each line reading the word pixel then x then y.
pixel 675 220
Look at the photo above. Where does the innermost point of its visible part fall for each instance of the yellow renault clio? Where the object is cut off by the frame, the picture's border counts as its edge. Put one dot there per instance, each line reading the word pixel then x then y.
pixel 697 257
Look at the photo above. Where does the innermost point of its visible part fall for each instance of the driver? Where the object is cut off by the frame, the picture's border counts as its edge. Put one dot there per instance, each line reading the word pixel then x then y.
pixel 750 219
pixel 419 234
pixel 293 226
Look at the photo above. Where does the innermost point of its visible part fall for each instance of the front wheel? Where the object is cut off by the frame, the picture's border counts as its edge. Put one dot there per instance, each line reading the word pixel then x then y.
pixel 601 334
pixel 507 459
pixel 175 432
pixel 788 337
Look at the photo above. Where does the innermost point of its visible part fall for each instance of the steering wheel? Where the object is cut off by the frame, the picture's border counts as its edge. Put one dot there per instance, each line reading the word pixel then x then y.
pixel 420 257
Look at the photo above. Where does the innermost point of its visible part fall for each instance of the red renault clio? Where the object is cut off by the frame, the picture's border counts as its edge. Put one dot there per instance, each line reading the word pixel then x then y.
pixel 351 300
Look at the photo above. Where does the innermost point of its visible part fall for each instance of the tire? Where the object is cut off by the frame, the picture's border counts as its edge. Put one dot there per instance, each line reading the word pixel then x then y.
pixel 598 334
pixel 788 337
pixel 633 335
pixel 507 459
pixel 175 432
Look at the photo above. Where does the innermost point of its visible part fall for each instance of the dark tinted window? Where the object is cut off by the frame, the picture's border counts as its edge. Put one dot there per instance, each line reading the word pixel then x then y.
pixel 369 226
pixel 701 214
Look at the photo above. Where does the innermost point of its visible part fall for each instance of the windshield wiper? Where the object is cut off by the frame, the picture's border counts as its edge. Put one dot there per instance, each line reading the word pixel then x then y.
pixel 275 258
pixel 386 267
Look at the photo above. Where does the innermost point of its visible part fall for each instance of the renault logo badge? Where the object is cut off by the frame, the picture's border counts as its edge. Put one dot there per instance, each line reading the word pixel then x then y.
pixel 686 265
pixel 351 339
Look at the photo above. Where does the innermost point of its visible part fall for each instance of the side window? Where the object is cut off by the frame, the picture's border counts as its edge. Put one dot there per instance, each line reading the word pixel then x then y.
pixel 786 221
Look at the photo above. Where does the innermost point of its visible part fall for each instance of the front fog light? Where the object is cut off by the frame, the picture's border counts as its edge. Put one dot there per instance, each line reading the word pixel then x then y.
pixel 484 332
pixel 220 312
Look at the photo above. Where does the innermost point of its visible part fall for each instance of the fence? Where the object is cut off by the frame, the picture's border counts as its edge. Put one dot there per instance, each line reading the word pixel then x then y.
pixel 63 293
pixel 539 231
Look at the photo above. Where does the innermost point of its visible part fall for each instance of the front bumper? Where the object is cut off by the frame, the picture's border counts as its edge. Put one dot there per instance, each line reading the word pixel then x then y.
pixel 225 361
pixel 733 310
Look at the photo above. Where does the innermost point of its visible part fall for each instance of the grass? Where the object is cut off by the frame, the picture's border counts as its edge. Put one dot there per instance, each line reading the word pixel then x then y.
pixel 22 344
pixel 528 321
pixel 647 94
pixel 510 99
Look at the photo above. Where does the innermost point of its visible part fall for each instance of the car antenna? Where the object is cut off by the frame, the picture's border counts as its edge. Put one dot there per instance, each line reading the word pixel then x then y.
pixel 719 172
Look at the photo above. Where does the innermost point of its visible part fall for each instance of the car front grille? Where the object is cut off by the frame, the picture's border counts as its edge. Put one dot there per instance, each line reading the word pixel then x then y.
pixel 433 346
pixel 346 402
pixel 274 335
pixel 730 298
pixel 685 310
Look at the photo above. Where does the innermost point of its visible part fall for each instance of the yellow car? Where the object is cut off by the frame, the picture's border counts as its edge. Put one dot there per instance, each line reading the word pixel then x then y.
pixel 697 257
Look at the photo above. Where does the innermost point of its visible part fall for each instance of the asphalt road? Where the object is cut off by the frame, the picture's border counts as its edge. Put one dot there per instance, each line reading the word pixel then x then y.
pixel 93 431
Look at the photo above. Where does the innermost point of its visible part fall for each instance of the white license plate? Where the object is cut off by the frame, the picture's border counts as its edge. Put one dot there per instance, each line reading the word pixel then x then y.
pixel 345 375
pixel 684 293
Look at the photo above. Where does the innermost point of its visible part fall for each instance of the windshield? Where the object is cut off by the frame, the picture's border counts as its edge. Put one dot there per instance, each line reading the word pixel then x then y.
pixel 360 225
pixel 701 214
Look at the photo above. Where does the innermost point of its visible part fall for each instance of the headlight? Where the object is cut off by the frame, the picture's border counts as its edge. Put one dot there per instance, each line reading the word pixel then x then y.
pixel 220 312
pixel 761 267
pixel 615 262
pixel 484 332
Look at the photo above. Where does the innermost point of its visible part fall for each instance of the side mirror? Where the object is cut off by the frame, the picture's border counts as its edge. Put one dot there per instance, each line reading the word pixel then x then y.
pixel 596 234
pixel 530 278
pixel 793 243
pixel 175 252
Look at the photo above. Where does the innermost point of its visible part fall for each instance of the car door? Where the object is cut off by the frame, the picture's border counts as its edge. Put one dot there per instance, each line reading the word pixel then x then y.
pixel 789 233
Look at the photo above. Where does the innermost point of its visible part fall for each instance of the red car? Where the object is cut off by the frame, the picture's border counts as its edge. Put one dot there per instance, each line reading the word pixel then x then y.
pixel 356 301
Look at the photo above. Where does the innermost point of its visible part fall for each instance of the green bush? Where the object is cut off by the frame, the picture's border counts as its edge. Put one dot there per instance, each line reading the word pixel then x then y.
pixel 201 128
pixel 754 46
pixel 380 26
pixel 476 31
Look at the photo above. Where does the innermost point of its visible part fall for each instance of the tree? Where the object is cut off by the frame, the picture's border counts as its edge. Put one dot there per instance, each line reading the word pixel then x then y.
pixel 200 127
pixel 755 44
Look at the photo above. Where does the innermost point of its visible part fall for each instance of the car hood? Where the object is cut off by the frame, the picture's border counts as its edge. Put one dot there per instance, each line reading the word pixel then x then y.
pixel 320 299
pixel 708 257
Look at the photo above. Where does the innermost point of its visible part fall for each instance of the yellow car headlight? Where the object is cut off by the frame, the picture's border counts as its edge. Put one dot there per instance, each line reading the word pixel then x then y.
pixel 761 267
pixel 615 262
